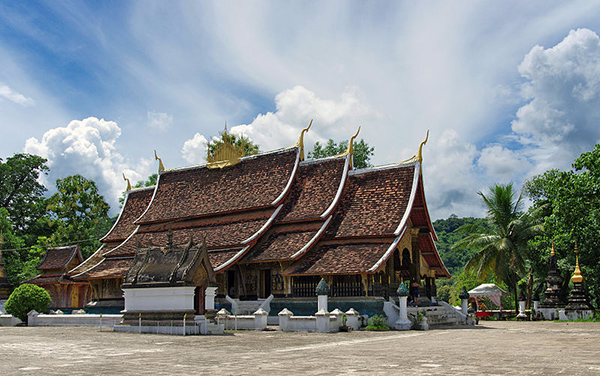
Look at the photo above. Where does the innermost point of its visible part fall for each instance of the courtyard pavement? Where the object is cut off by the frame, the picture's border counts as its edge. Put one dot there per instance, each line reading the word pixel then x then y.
pixel 491 348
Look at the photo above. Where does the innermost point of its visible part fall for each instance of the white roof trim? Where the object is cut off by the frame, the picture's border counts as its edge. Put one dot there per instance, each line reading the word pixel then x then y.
pixel 380 168
pixel 387 253
pixel 94 254
pixel 233 259
pixel 151 200
pixel 264 227
pixel 290 181
pixel 123 242
pixel 93 267
pixel 340 189
pixel 411 200
pixel 313 240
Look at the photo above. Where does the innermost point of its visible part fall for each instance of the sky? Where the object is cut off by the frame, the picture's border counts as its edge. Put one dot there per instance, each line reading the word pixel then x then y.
pixel 507 89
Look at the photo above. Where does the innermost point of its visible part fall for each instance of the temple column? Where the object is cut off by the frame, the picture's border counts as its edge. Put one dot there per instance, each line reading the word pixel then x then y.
pixel 415 272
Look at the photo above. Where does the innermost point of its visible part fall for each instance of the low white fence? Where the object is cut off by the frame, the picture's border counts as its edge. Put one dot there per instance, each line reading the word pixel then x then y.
pixel 322 321
pixel 102 321
pixel 257 321
pixel 9 320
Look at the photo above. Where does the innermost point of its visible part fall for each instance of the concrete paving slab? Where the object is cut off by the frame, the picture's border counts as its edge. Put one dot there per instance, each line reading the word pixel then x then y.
pixel 491 348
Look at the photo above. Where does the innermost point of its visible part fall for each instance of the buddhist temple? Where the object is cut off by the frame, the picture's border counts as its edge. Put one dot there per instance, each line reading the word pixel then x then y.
pixel 275 224
pixel 56 279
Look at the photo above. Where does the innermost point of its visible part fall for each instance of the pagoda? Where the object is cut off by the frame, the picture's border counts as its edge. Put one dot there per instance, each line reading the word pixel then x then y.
pixel 578 306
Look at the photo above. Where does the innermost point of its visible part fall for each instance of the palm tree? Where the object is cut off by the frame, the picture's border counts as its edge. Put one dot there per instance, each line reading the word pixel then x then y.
pixel 501 246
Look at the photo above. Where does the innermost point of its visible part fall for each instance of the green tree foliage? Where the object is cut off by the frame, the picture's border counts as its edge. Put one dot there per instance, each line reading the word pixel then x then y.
pixel 241 142
pixel 21 194
pixel 25 298
pixel 454 259
pixel 502 245
pixel 361 157
pixel 572 200
pixel 81 213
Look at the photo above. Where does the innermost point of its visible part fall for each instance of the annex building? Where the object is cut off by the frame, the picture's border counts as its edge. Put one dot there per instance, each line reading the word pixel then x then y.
pixel 271 224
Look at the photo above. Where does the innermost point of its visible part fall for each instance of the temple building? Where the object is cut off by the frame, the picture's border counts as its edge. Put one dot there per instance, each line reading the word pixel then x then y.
pixel 275 224
pixel 56 279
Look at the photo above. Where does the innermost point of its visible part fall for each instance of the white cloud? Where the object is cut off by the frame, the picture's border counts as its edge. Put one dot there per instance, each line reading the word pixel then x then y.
pixel 503 165
pixel 194 150
pixel 563 85
pixel 450 177
pixel 337 119
pixel 7 93
pixel 159 121
pixel 87 147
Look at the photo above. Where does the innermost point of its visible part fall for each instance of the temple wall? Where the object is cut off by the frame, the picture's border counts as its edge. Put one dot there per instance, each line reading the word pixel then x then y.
pixel 159 299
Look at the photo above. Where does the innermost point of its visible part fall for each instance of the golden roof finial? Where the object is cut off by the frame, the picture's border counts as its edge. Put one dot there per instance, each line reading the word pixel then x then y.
pixel 552 253
pixel 128 182
pixel 419 156
pixel 350 150
pixel 225 154
pixel 577 277
pixel 300 142
pixel 161 166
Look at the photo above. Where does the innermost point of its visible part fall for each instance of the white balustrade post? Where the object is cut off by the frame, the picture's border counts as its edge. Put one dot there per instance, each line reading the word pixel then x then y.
pixel 352 319
pixel 209 301
pixel 284 319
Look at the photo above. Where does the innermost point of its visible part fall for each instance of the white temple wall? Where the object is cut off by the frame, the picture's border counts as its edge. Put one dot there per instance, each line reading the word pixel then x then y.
pixel 159 299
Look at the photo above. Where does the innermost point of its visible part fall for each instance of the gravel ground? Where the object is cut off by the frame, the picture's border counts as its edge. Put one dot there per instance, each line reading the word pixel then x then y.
pixel 491 348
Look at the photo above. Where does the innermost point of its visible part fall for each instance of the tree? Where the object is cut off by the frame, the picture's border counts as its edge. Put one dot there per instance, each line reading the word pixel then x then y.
pixel 455 259
pixel 361 156
pixel 81 213
pixel 502 245
pixel 25 298
pixel 241 142
pixel 572 215
pixel 21 194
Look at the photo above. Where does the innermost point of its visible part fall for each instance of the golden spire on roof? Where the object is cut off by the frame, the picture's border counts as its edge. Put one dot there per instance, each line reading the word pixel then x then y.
pixel 577 277
pixel 128 182
pixel 226 154
pixel 552 253
pixel 300 142
pixel 419 156
pixel 350 150
pixel 161 166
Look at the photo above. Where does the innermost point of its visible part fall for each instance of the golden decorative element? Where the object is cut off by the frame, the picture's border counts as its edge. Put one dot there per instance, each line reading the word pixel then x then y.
pixel 226 154
pixel 552 253
pixel 577 277
pixel 161 166
pixel 419 156
pixel 128 182
pixel 350 150
pixel 300 142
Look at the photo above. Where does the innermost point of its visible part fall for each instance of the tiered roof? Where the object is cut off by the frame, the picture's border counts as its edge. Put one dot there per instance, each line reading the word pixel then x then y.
pixel 322 216
pixel 56 264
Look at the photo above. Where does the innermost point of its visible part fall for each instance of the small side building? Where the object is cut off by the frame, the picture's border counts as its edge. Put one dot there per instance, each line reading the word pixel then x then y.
pixel 55 278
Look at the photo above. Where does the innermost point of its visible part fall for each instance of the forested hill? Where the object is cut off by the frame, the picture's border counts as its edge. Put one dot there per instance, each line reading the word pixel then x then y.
pixel 454 260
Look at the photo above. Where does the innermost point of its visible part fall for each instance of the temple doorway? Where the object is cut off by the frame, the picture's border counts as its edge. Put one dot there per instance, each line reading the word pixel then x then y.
pixel 199 300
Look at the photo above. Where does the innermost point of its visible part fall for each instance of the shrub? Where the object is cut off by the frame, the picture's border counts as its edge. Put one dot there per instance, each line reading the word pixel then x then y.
pixel 377 322
pixel 25 298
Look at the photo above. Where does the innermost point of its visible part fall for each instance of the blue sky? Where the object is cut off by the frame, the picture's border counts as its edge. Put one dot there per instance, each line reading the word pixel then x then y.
pixel 508 89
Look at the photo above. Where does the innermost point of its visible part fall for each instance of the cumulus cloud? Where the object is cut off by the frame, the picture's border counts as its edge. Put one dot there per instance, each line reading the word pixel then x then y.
pixel 7 93
pixel 450 176
pixel 194 150
pixel 563 85
pixel 88 147
pixel 503 165
pixel 159 121
pixel 337 119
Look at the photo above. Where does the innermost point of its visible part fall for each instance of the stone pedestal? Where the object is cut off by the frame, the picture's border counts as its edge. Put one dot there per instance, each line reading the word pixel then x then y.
pixel 522 316
pixel 352 319
pixel 322 303
pixel 464 304
pixel 403 323
pixel 322 321
pixel 284 319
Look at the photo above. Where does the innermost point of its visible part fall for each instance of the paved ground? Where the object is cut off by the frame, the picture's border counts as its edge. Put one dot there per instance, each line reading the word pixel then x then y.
pixel 492 348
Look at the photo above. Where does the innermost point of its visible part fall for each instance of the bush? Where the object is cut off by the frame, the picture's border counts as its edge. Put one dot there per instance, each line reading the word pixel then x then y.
pixel 25 298
pixel 377 322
